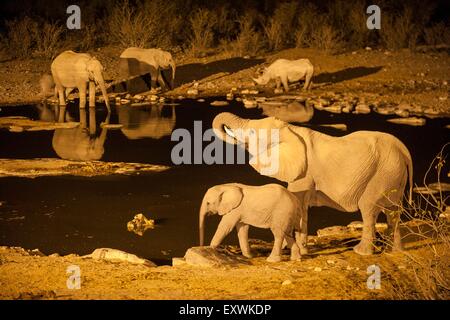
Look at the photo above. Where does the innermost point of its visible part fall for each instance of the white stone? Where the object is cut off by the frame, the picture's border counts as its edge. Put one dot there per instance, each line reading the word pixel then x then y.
pixel 286 282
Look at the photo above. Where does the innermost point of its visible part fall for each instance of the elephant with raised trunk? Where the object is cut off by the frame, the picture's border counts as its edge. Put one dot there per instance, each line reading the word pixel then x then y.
pixel 268 206
pixel 284 71
pixel 75 70
pixel 139 62
pixel 365 170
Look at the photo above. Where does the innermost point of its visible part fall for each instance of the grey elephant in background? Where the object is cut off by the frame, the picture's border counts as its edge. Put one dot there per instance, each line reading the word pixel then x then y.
pixel 81 144
pixel 268 206
pixel 292 112
pixel 75 70
pixel 284 71
pixel 141 123
pixel 365 170
pixel 138 61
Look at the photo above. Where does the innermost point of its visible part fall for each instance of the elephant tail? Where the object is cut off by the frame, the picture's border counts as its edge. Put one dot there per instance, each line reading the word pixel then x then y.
pixel 410 175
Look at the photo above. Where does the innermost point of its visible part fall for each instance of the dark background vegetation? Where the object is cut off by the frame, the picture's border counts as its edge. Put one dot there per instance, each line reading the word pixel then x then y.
pixel 201 27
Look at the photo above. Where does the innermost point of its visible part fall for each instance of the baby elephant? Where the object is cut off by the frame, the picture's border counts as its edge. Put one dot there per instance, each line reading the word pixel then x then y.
pixel 268 206
pixel 285 71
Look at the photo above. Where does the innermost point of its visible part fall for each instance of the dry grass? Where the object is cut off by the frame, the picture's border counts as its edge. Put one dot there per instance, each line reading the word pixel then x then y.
pixel 429 274
pixel 437 34
pixel 327 38
pixel 278 28
pixel 20 36
pixel 249 40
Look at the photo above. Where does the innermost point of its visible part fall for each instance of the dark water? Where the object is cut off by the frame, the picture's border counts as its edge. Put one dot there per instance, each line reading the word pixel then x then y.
pixel 77 215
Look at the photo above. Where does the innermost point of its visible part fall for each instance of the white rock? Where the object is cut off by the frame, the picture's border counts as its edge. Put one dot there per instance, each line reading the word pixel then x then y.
pixel 192 92
pixel 317 269
pixel 335 108
pixel 218 103
pixel 250 104
pixel 153 97
pixel 286 282
pixel 200 100
pixel 331 261
pixel 178 262
pixel 412 121
pixel 124 101
pixel 230 96
pixel 212 257
pixel 278 91
pixel 362 109
pixel 118 255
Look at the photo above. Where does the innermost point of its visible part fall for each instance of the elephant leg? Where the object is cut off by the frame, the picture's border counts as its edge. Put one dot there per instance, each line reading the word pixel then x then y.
pixel 227 224
pixel 278 82
pixel 91 94
pixel 369 217
pixel 62 103
pixel 393 231
pixel 296 254
pixel 154 78
pixel 307 84
pixel 285 84
pixel 161 79
pixel 275 255
pixel 82 93
pixel 83 116
pixel 242 232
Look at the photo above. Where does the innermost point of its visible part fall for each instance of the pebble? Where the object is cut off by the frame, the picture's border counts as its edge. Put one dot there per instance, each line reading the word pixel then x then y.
pixel 286 282
pixel 249 104
pixel 192 92
pixel 200 100
pixel 331 261
pixel 317 269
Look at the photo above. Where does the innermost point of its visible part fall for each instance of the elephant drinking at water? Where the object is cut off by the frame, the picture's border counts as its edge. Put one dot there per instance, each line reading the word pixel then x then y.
pixel 75 70
pixel 365 170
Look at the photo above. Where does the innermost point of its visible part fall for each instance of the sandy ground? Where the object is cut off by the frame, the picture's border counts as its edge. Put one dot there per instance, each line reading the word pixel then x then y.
pixel 392 77
pixel 331 271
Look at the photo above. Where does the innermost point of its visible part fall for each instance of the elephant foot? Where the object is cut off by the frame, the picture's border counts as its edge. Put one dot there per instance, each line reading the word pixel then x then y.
pixel 273 258
pixel 363 249
pixel 248 255
pixel 304 250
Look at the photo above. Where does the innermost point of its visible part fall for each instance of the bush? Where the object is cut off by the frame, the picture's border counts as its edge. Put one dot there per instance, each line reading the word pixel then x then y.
pixel 48 38
pixel 278 28
pixel 20 36
pixel 398 31
pixel 430 270
pixel 327 38
pixel 309 19
pixel 202 38
pixel 437 34
pixel 249 40
pixel 143 25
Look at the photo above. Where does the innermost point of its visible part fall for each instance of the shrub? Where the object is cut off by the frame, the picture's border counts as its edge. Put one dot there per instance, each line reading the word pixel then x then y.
pixel 202 38
pixel 278 28
pixel 144 25
pixel 309 19
pixel 48 38
pixel 249 40
pixel 20 36
pixel 430 270
pixel 437 34
pixel 327 38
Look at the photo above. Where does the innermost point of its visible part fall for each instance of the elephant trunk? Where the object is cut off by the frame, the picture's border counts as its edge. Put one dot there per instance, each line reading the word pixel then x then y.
pixel 225 124
pixel 101 84
pixel 201 222
pixel 172 82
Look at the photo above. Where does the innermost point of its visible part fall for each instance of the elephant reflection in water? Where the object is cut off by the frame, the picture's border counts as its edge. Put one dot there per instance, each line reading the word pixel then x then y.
pixel 81 143
pixel 292 112
pixel 141 123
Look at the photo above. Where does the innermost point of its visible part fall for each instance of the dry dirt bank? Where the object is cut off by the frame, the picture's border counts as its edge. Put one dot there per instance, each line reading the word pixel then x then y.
pixel 331 271
pixel 391 76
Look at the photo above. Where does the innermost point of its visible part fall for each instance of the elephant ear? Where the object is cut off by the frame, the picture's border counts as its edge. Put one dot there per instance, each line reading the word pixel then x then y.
pixel 230 198
pixel 285 160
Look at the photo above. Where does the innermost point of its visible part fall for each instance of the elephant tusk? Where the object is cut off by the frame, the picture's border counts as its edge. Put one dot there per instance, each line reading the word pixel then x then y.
pixel 229 131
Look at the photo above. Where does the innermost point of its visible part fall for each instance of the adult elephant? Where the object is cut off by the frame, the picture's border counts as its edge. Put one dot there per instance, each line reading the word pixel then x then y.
pixel 139 62
pixel 75 70
pixel 365 170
